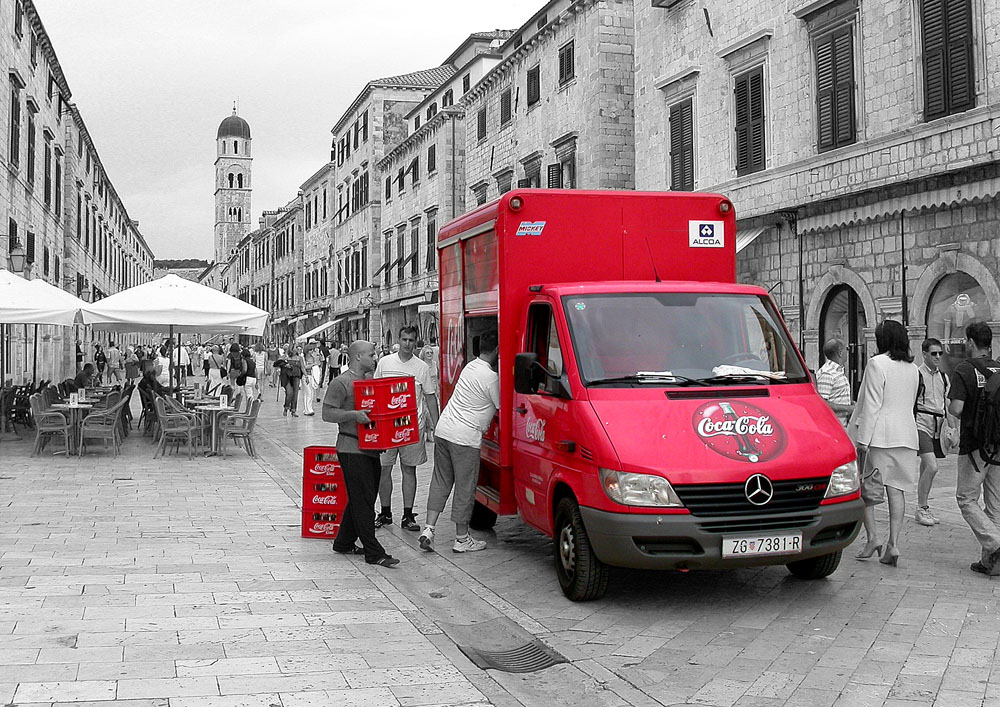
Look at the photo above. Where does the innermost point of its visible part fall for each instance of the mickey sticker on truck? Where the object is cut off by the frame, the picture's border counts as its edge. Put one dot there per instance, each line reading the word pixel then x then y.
pixel 530 228
pixel 706 234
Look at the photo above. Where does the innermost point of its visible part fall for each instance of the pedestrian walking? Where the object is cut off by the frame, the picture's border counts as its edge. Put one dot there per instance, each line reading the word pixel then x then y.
pixel 249 376
pixel 272 359
pixel 832 383
pixel 115 364
pixel 101 363
pixel 292 369
pixel 932 398
pixel 216 363
pixel 162 367
pixel 261 367
pixel 885 433
pixel 975 477
pixel 311 376
pixel 457 441
pixel 404 363
pixel 431 393
pixel 132 364
pixel 235 365
pixel 361 468
pixel 79 357
pixel 343 359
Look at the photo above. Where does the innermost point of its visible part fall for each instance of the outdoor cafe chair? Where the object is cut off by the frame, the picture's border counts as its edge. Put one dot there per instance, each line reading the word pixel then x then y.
pixel 101 425
pixel 147 418
pixel 48 424
pixel 240 427
pixel 175 428
pixel 18 408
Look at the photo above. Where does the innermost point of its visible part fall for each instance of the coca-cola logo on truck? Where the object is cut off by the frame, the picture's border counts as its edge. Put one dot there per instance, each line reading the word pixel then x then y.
pixel 739 431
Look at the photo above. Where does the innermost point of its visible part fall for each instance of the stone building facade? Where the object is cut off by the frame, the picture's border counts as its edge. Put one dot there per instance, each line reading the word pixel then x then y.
pixel 318 218
pixel 373 123
pixel 284 229
pixel 557 110
pixel 422 187
pixel 858 142
pixel 58 203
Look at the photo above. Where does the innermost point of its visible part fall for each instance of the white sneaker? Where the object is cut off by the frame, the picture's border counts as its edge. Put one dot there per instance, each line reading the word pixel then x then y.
pixel 933 517
pixel 924 517
pixel 468 544
pixel 426 538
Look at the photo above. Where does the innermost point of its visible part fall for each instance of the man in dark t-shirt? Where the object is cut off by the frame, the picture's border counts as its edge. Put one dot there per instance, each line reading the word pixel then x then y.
pixel 362 470
pixel 975 477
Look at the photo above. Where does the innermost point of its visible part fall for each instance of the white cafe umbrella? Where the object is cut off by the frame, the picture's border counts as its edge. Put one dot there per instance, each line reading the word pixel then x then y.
pixel 35 302
pixel 171 304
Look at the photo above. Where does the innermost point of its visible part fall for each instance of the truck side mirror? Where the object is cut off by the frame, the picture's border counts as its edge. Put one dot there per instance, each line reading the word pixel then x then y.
pixel 526 373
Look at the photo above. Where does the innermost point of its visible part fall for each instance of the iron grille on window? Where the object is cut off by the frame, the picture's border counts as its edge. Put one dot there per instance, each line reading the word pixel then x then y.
pixel 534 87
pixel 835 88
pixel 749 105
pixel 566 65
pixel 682 146
pixel 949 71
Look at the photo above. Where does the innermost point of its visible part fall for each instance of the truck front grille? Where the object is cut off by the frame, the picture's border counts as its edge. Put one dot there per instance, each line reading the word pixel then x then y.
pixel 795 496
pixel 757 525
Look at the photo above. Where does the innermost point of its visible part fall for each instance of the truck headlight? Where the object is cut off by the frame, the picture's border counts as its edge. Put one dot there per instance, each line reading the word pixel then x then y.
pixel 844 480
pixel 639 489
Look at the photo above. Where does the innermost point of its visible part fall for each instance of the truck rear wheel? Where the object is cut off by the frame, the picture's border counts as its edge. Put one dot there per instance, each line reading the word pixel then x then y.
pixel 815 567
pixel 582 576
pixel 482 517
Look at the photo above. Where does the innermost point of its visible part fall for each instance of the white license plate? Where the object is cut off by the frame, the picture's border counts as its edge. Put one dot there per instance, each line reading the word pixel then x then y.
pixel 763 544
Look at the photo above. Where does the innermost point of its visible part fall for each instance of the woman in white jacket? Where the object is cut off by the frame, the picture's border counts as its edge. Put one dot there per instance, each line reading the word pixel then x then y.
pixel 885 432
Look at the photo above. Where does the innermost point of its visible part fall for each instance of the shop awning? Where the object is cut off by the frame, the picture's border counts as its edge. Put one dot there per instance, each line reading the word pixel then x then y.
pixel 321 328
pixel 747 236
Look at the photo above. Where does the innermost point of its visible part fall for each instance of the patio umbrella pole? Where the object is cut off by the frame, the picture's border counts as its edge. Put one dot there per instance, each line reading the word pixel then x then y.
pixel 170 370
pixel 34 359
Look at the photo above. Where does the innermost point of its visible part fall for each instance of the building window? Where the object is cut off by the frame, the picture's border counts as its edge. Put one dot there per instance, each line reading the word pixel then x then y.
pixel 58 183
pixel 18 19
pixel 534 87
pixel 431 241
pixel 567 69
pixel 56 269
pixel 504 182
pixel 415 170
pixel 466 83
pixel 15 124
pixel 388 188
pixel 364 126
pixel 682 146
pixel 481 124
pixel 432 110
pixel 34 50
pixel 400 250
pixel 387 263
pixel 416 123
pixel 749 105
pixel 835 89
pixel 479 194
pixel 47 183
pixel 431 158
pixel 29 248
pixel 949 71
pixel 505 112
pixel 414 246
pixel 31 147
pixel 532 176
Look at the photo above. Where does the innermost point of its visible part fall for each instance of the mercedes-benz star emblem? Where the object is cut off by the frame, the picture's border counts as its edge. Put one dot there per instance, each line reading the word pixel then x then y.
pixel 759 489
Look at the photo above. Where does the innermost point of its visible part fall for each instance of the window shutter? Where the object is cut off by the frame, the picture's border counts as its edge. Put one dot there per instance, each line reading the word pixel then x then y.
pixel 481 124
pixel 534 86
pixel 30 248
pixel 505 107
pixel 825 93
pixel 757 120
pixel 431 158
pixel 523 183
pixel 682 146
pixel 949 76
pixel 843 50
pixel 555 176
pixel 749 101
pixel 742 106
pixel 961 74
pixel 934 58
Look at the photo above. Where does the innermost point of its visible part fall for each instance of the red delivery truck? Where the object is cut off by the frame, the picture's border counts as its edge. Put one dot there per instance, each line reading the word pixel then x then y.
pixel 654 413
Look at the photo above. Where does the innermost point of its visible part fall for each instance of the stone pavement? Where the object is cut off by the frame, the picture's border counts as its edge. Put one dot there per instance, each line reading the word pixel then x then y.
pixel 186 584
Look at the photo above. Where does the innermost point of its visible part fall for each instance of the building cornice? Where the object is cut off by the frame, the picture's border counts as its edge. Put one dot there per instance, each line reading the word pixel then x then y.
pixel 421 134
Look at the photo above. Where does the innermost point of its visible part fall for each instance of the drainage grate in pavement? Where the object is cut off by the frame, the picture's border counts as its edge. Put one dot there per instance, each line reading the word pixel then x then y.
pixel 526 658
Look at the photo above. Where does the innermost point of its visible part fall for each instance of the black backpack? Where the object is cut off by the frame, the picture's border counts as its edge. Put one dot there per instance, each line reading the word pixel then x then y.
pixel 986 422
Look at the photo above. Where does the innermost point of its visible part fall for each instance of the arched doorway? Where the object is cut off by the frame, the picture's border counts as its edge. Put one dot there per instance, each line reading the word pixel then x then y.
pixel 955 302
pixel 843 317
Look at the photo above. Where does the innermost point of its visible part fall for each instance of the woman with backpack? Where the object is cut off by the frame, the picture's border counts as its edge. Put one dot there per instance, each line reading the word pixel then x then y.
pixel 292 369
pixel 884 430
pixel 235 365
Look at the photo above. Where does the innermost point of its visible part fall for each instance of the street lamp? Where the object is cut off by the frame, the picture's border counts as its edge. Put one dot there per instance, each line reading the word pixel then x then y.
pixel 16 259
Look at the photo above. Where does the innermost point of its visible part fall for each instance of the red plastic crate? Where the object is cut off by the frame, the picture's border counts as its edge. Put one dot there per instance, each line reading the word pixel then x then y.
pixel 386 396
pixel 389 431
pixel 320 524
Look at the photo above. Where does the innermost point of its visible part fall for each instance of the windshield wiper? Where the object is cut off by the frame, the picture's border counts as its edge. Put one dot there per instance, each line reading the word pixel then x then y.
pixel 741 378
pixel 644 377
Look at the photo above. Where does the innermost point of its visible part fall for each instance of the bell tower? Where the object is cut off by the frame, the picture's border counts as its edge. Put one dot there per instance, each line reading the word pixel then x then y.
pixel 232 184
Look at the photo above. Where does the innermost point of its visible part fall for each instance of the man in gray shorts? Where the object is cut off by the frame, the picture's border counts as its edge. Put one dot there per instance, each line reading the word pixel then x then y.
pixel 404 363
pixel 457 439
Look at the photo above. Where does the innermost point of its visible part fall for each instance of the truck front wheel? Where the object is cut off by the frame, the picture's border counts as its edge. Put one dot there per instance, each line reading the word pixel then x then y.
pixel 815 567
pixel 582 576
pixel 482 517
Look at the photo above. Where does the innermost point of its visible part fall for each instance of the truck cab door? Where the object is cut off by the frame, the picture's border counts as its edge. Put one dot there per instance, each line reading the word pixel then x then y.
pixel 540 419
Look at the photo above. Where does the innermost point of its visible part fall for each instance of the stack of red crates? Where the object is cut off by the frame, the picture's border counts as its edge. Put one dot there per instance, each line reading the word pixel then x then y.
pixel 324 494
pixel 391 404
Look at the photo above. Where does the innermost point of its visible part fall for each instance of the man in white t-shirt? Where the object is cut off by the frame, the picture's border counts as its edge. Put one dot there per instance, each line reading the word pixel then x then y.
pixel 457 440
pixel 404 363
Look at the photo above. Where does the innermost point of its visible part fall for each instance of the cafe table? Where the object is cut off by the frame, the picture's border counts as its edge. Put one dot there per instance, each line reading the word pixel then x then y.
pixel 77 413
pixel 215 410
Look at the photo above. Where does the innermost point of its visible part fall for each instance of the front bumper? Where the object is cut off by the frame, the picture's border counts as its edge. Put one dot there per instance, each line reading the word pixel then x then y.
pixel 695 542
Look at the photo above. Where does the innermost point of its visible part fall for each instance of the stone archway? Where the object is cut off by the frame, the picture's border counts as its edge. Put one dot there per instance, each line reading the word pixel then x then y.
pixel 838 275
pixel 947 263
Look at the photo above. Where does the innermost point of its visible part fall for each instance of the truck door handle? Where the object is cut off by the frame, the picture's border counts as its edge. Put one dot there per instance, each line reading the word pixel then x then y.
pixel 521 410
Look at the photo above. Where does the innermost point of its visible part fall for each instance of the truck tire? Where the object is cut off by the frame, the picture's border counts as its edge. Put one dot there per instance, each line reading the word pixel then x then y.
pixel 582 576
pixel 815 567
pixel 482 517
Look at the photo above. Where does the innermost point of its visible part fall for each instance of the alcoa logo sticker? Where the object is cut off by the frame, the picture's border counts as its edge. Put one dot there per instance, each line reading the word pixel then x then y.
pixel 739 431
pixel 706 234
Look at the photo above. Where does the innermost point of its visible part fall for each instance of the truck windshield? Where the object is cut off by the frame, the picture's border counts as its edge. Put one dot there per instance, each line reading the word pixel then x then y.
pixel 679 338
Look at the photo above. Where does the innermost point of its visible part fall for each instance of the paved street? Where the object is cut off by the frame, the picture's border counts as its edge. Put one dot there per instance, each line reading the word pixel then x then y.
pixel 172 583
